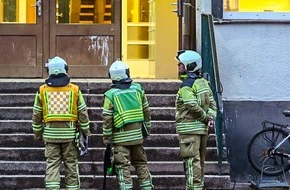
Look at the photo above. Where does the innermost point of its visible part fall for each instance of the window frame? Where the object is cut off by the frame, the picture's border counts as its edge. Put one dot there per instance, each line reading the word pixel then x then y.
pixel 219 13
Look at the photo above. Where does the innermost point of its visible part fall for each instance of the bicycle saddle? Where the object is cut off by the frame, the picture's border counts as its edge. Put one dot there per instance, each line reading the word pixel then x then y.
pixel 286 113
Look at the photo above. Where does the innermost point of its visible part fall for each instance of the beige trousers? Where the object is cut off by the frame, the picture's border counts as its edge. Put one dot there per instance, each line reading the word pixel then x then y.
pixel 124 156
pixel 193 152
pixel 67 153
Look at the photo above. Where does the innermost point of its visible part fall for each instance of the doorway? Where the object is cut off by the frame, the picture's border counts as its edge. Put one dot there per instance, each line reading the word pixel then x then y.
pixel 86 33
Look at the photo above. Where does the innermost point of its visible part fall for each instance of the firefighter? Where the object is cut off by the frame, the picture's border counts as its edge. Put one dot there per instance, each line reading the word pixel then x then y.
pixel 58 107
pixel 125 111
pixel 195 114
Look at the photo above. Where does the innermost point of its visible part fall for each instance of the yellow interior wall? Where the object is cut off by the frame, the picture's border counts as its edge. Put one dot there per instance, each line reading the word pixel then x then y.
pixel 166 44
pixel 133 32
pixel 22 11
pixel 1 11
pixel 263 5
pixel 166 40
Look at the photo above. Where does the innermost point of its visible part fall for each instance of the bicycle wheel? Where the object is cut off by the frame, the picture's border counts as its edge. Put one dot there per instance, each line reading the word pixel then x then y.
pixel 260 156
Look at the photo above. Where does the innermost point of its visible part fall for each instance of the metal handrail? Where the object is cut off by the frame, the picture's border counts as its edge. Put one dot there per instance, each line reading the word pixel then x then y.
pixel 210 66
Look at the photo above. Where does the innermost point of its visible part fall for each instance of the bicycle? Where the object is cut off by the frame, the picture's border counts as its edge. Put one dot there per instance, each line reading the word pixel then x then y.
pixel 269 150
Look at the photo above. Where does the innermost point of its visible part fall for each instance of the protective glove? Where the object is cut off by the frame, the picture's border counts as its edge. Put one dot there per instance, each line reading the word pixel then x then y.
pixel 145 132
pixel 84 144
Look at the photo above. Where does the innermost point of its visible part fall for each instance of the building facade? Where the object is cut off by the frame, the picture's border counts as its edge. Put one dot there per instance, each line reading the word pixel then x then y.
pixel 252 40
pixel 253 54
pixel 90 35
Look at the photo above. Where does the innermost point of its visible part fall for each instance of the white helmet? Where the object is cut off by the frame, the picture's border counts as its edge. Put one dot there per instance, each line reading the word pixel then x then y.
pixel 119 70
pixel 188 57
pixel 57 66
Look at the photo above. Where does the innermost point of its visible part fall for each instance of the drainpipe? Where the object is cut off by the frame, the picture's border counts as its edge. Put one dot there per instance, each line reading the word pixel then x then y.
pixel 189 22
pixel 179 11
pixel 188 25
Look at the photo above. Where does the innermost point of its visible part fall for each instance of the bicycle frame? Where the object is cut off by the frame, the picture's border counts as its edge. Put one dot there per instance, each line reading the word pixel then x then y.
pixel 283 154
pixel 274 151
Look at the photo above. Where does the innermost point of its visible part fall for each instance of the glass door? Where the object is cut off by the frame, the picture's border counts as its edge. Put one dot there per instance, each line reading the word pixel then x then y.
pixel 21 38
pixel 86 33
pixel 138 49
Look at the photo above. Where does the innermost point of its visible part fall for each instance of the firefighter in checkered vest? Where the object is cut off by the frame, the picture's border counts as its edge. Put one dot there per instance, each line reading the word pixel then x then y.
pixel 59 115
pixel 126 123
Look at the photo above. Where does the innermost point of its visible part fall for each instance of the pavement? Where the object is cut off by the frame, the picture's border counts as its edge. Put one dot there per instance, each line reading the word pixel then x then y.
pixel 247 186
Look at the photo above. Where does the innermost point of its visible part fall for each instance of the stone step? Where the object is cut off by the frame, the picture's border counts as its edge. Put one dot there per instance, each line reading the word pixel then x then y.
pixel 97 154
pixel 96 168
pixel 24 126
pixel 95 100
pixel 172 182
pixel 95 114
pixel 89 86
pixel 96 140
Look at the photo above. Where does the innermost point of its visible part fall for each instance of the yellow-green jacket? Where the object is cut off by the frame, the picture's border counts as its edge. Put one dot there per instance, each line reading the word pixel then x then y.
pixel 124 111
pixel 56 111
pixel 194 106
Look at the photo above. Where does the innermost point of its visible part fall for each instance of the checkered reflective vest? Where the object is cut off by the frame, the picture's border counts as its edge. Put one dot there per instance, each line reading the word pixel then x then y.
pixel 127 104
pixel 59 103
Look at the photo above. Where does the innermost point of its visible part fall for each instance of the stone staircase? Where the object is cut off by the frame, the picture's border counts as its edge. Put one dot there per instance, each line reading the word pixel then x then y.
pixel 22 162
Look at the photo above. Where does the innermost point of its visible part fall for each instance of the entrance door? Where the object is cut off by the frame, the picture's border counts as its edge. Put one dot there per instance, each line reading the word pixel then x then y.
pixel 20 39
pixel 86 33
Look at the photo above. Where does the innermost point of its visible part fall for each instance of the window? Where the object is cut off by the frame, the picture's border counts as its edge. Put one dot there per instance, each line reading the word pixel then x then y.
pixel 84 11
pixel 17 11
pixel 255 9
pixel 138 36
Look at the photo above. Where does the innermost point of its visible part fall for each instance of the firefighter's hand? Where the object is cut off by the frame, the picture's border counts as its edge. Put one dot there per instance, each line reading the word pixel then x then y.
pixel 210 123
pixel 38 137
pixel 107 140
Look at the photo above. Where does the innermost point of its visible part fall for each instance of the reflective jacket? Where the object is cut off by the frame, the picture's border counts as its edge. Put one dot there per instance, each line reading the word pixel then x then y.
pixel 56 111
pixel 194 106
pixel 124 111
